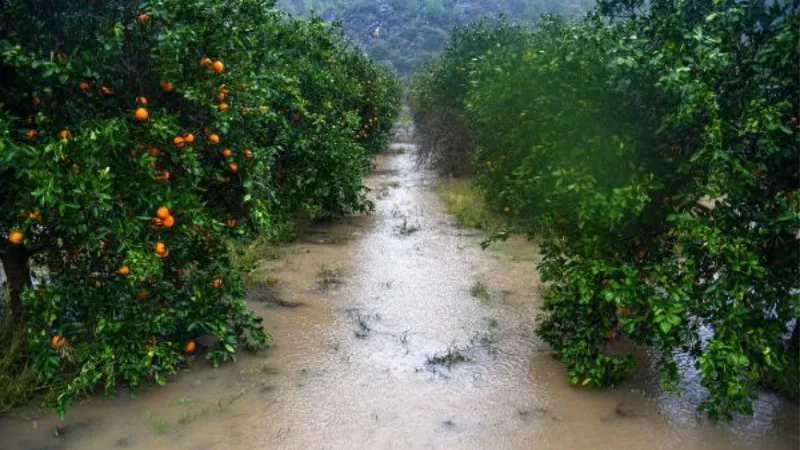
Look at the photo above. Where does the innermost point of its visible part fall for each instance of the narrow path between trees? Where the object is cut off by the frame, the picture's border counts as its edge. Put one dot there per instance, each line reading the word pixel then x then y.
pixel 395 330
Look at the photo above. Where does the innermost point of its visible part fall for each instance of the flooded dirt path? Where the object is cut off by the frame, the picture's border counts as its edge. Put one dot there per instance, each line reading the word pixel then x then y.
pixel 395 330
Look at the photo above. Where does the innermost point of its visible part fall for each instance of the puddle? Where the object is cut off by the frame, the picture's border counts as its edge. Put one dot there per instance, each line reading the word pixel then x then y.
pixel 402 339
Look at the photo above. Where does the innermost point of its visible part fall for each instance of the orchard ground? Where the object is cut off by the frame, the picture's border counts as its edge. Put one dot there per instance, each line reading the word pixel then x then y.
pixel 395 330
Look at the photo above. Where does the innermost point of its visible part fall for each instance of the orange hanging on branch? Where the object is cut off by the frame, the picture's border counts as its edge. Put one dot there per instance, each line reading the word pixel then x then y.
pixel 141 114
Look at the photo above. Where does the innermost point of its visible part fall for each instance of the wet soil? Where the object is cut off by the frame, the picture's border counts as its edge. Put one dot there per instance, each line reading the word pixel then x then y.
pixel 395 330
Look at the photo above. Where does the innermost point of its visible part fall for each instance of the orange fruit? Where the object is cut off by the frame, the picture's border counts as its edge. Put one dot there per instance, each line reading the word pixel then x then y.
pixel 85 86
pixel 190 347
pixel 15 237
pixel 218 67
pixel 161 249
pixel 169 222
pixel 163 212
pixel 233 166
pixel 166 86
pixel 156 222
pixel 179 141
pixel 35 215
pixel 64 134
pixel 189 138
pixel 214 138
pixel 124 270
pixel 223 90
pixel 230 223
pixel 163 176
pixel 227 153
pixel 217 283
pixel 155 152
pixel 57 341
pixel 141 100
pixel 625 311
pixel 221 97
pixel 222 107
pixel 143 294
pixel 248 153
pixel 141 114
pixel 143 17
pixel 31 133
pixel 105 90
pixel 205 61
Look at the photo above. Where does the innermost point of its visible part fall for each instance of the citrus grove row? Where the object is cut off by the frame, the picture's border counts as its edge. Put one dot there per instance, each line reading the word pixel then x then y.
pixel 138 139
pixel 653 150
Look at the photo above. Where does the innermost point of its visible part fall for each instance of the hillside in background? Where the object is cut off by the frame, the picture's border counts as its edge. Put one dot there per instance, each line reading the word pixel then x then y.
pixel 403 34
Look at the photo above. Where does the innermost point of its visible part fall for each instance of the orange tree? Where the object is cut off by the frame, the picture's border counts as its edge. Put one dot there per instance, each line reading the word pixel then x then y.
pixel 323 140
pixel 439 93
pixel 136 139
pixel 378 104
pixel 656 159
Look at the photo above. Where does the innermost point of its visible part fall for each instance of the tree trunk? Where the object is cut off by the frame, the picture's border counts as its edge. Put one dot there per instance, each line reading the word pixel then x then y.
pixel 18 276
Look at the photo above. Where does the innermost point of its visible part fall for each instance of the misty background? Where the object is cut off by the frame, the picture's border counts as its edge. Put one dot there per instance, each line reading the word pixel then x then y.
pixel 403 34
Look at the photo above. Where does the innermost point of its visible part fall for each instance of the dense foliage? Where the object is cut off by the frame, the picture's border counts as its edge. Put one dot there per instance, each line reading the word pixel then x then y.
pixel 136 140
pixel 444 136
pixel 654 151
pixel 403 34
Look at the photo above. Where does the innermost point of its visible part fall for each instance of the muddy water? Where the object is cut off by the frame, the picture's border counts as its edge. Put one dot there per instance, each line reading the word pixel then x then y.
pixel 390 306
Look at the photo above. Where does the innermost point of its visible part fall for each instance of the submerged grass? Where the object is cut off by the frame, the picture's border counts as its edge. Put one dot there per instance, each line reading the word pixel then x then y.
pixel 406 229
pixel 463 199
pixel 328 278
pixel 247 257
pixel 452 357
pixel 17 379
pixel 158 424
pixel 194 411
pixel 480 290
